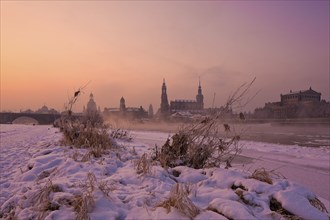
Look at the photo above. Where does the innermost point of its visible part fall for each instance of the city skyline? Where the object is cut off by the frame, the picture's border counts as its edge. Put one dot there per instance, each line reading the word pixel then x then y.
pixel 51 49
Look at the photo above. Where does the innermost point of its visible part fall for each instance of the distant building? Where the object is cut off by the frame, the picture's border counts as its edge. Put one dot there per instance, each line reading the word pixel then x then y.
pixel 300 104
pixel 91 105
pixel 125 112
pixel 122 106
pixel 92 113
pixel 44 110
pixel 300 97
pixel 151 111
pixel 192 106
pixel 164 106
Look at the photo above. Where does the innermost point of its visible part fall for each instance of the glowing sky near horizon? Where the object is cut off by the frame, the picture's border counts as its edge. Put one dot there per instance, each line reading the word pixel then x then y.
pixel 51 48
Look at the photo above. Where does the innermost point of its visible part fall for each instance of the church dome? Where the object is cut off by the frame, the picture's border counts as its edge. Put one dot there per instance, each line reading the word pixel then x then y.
pixel 91 105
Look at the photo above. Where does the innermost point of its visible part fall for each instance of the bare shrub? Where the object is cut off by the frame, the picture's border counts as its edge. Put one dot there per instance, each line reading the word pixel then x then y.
pixel 263 175
pixel 201 144
pixel 143 165
pixel 86 131
pixel 179 199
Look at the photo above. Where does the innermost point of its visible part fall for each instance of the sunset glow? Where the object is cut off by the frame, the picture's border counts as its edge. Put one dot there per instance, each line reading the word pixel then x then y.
pixel 51 48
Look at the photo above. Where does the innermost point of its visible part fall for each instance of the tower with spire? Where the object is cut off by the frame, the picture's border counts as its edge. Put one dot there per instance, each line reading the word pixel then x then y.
pixel 200 97
pixel 164 106
pixel 122 106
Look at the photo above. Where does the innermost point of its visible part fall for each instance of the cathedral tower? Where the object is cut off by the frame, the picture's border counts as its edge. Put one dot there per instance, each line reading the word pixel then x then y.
pixel 164 106
pixel 200 97
pixel 122 105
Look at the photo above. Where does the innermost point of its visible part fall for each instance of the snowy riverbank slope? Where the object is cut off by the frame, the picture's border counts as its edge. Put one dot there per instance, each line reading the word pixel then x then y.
pixel 40 178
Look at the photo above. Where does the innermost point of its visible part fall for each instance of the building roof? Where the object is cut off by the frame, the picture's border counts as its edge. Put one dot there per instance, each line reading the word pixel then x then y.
pixel 309 91
pixel 183 100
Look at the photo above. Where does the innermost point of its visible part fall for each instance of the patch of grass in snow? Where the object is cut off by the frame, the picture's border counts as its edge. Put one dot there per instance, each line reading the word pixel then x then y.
pixel 143 165
pixel 263 175
pixel 179 199
pixel 106 187
pixel 84 203
pixel 42 201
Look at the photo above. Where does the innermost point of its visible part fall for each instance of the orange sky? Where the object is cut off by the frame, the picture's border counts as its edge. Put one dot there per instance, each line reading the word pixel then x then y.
pixel 51 48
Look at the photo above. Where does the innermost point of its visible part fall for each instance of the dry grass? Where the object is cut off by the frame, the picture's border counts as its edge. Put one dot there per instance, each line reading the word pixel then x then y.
pixel 88 131
pixel 318 204
pixel 42 202
pixel 179 199
pixel 201 144
pixel 82 205
pixel 96 139
pixel 106 187
pixel 143 165
pixel 263 175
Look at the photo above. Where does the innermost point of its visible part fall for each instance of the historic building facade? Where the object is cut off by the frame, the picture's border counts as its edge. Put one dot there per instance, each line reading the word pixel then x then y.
pixel 301 104
pixel 181 105
pixel 125 112
pixel 91 105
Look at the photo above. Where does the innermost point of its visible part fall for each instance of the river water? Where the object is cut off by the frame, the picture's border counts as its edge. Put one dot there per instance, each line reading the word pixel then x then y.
pixel 307 134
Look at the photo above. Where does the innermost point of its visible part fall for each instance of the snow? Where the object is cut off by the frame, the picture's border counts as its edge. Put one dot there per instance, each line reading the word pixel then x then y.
pixel 32 158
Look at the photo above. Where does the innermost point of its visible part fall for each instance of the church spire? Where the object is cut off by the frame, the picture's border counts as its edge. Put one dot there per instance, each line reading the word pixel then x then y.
pixel 199 87
pixel 164 106
pixel 199 96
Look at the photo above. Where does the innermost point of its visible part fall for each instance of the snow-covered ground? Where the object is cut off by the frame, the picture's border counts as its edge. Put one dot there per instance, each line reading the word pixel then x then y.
pixel 41 178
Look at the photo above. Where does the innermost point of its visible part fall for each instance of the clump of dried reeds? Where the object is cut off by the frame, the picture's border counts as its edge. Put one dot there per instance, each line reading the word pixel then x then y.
pixel 86 131
pixel 106 187
pixel 179 199
pixel 42 201
pixel 263 175
pixel 143 164
pixel 84 203
pixel 200 144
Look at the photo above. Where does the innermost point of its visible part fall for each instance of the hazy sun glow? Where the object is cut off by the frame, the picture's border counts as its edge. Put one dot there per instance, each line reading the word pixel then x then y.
pixel 51 48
